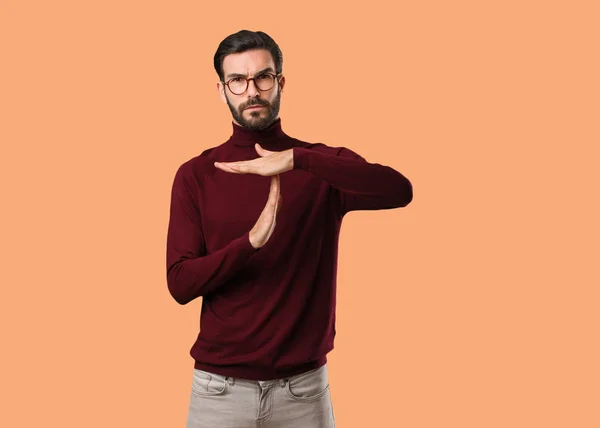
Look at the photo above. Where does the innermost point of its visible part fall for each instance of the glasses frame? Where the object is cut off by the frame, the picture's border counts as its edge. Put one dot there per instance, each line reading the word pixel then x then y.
pixel 248 79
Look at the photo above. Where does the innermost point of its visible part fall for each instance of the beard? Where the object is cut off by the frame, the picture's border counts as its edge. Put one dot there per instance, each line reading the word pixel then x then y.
pixel 256 122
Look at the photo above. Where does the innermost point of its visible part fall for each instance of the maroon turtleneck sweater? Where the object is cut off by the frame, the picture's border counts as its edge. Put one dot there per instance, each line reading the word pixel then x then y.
pixel 267 313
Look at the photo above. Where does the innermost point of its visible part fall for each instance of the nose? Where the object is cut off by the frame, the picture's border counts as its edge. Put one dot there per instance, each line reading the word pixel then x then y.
pixel 252 89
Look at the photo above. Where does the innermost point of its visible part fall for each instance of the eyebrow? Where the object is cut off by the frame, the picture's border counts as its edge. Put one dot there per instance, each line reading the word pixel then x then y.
pixel 230 75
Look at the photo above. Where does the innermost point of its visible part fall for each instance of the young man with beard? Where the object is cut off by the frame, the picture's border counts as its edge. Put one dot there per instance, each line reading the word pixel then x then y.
pixel 253 229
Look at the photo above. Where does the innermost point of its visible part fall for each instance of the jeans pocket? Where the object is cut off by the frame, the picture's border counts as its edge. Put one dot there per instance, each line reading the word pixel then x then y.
pixel 310 386
pixel 208 384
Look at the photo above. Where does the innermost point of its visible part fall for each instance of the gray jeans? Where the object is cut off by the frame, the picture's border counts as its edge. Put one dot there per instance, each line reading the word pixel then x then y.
pixel 300 401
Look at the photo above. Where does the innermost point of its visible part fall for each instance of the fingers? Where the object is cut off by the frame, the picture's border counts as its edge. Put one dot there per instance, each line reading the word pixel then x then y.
pixel 236 167
pixel 265 225
pixel 226 168
pixel 274 191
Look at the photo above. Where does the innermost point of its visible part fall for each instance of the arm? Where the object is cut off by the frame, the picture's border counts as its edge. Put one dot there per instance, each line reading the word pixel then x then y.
pixel 191 272
pixel 362 185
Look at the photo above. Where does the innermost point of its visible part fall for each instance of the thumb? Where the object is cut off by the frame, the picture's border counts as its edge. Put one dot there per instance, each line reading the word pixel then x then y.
pixel 260 150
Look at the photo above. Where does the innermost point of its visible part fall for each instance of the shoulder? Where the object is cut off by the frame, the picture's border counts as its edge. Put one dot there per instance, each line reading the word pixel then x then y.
pixel 193 170
pixel 194 165
pixel 328 149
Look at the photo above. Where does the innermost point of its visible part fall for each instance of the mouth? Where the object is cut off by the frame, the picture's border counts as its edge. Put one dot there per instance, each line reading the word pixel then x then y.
pixel 254 107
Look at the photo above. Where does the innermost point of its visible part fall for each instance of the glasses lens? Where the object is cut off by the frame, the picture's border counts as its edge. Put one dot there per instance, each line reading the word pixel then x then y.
pixel 237 85
pixel 264 81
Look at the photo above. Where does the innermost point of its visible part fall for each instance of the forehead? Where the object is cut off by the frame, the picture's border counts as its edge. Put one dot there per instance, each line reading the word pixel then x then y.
pixel 248 62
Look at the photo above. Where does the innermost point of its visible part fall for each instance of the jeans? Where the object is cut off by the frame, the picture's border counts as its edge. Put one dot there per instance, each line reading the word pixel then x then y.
pixel 300 401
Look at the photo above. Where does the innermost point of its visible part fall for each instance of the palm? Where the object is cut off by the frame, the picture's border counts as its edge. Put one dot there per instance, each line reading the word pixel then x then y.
pixel 268 164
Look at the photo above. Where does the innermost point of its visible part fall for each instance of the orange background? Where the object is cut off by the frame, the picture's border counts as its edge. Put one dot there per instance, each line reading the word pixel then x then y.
pixel 475 306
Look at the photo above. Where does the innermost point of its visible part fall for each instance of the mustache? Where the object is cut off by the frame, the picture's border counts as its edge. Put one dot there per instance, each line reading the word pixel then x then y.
pixel 255 103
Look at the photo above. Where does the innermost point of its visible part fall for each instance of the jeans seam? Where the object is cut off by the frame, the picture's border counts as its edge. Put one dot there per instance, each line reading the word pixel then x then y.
pixel 270 407
pixel 306 399
pixel 211 394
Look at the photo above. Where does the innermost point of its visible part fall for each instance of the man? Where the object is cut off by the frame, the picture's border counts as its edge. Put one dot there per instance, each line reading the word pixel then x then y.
pixel 253 229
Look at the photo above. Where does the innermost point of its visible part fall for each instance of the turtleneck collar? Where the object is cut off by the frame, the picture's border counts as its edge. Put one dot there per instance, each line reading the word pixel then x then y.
pixel 265 137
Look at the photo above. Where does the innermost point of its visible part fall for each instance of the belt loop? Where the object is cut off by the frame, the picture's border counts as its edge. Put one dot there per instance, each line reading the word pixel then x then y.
pixel 282 382
pixel 230 380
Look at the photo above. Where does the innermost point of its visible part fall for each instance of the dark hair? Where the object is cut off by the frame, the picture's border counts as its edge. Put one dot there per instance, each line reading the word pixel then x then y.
pixel 246 40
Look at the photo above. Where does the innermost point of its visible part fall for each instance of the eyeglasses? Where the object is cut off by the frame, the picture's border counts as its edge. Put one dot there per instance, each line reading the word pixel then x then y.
pixel 239 85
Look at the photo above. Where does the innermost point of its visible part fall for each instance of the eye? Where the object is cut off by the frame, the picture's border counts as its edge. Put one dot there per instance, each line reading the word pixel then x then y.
pixel 264 76
pixel 236 79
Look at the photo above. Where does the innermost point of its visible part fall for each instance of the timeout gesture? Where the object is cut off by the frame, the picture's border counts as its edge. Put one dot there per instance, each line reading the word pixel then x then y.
pixel 269 163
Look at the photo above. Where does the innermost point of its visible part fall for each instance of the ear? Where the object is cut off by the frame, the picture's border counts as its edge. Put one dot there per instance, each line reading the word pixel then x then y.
pixel 221 90
pixel 281 82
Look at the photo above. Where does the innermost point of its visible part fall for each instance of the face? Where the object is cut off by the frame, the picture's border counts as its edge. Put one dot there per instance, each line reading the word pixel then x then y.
pixel 251 64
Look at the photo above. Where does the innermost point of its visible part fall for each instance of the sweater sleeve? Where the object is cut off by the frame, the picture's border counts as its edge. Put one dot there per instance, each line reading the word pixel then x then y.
pixel 191 272
pixel 361 185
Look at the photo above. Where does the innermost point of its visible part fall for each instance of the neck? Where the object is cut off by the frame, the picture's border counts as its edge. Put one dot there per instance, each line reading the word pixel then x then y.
pixel 269 136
